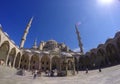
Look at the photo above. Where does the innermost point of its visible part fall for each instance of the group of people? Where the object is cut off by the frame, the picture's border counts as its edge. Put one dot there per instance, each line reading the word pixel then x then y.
pixel 50 73
pixel 36 73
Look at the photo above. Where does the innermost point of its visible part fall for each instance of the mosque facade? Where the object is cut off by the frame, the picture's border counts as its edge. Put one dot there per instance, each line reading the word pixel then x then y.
pixel 51 55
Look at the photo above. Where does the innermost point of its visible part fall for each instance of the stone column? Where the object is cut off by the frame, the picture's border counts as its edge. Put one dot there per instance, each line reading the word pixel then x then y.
pixel 39 63
pixel 29 63
pixel 7 57
pixel 50 64
pixel 19 62
pixel 74 66
pixel 14 61
pixel 66 64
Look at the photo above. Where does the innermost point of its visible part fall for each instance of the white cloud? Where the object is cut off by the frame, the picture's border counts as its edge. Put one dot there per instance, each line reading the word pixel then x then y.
pixel 76 50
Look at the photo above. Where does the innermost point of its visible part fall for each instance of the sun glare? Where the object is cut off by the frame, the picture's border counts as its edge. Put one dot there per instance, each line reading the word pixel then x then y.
pixel 105 1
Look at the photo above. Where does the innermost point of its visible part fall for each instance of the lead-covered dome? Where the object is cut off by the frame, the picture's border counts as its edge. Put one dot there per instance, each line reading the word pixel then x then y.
pixel 50 45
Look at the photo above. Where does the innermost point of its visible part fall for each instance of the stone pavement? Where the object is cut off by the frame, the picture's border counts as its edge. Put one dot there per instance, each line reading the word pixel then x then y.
pixel 109 75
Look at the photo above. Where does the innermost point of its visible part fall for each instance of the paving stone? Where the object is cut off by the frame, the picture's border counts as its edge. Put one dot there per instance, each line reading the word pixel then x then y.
pixel 110 75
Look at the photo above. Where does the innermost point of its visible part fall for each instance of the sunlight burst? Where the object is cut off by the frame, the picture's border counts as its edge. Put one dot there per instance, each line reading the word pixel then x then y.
pixel 105 1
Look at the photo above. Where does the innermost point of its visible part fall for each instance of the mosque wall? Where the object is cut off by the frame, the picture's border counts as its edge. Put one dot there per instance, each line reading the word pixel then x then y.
pixel 106 54
pixel 8 49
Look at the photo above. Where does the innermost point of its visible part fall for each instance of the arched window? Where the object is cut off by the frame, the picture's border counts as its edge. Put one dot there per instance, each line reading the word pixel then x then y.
pixel 4 49
pixel 44 61
pixel 56 63
pixel 34 62
pixel 25 61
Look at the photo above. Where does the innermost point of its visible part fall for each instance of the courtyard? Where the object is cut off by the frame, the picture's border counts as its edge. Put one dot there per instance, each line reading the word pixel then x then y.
pixel 110 75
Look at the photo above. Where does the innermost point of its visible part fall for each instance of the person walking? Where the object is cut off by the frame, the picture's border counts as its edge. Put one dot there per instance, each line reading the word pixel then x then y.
pixel 35 74
pixel 86 70
pixel 100 68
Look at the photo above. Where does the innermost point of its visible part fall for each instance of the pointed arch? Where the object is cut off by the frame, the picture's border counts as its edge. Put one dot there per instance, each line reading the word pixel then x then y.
pixel 34 62
pixel 101 52
pixel 87 61
pixel 17 61
pixel 70 65
pixel 11 57
pixel 118 43
pixel 101 56
pixel 111 52
pixel 4 49
pixel 80 63
pixel 55 63
pixel 45 62
pixel 24 64
pixel 93 58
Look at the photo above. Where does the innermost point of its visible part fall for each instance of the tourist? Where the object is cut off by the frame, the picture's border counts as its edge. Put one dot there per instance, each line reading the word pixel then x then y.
pixel 35 74
pixel 77 72
pixel 47 72
pixel 86 70
pixel 99 69
pixel 39 73
pixel 52 73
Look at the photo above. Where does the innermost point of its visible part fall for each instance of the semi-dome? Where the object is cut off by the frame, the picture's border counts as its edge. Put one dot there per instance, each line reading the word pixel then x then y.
pixel 50 45
pixel 117 34
pixel 100 45
pixel 93 50
pixel 51 42
pixel 108 40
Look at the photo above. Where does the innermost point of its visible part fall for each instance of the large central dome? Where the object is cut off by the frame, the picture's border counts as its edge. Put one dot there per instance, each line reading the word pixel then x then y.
pixel 50 45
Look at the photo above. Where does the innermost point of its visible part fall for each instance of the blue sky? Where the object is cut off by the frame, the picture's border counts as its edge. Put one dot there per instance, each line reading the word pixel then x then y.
pixel 56 19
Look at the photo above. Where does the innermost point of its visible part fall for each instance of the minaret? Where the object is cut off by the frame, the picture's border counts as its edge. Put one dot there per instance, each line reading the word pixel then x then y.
pixel 25 33
pixel 35 44
pixel 79 39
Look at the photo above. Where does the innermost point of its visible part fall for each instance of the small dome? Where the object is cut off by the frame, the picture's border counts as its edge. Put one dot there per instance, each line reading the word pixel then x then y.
pixel 100 45
pixel 117 34
pixel 66 54
pixel 108 40
pixel 92 50
pixel 37 51
pixel 28 50
pixel 50 45
pixel 52 41
pixel 45 52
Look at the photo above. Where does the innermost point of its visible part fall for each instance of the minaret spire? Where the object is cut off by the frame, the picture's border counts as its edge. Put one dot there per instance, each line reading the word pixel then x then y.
pixel 35 44
pixel 79 39
pixel 25 33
